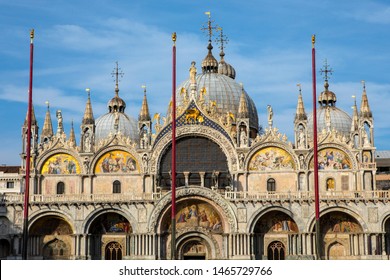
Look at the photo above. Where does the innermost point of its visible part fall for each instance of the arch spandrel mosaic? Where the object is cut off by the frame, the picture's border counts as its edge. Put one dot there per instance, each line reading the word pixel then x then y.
pixel 339 223
pixel 61 164
pixel 193 214
pixel 116 161
pixel 332 159
pixel 276 222
pixel 271 158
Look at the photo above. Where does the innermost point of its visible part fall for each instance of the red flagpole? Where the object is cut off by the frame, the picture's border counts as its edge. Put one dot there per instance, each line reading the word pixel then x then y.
pixel 173 213
pixel 315 154
pixel 28 156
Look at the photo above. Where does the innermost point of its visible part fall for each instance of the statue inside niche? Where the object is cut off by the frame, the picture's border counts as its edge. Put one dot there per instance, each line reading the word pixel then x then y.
pixel 193 73
pixel 301 143
pixel 243 138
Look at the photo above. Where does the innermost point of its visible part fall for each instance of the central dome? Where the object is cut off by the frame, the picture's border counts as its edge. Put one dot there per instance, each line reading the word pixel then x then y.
pixel 225 91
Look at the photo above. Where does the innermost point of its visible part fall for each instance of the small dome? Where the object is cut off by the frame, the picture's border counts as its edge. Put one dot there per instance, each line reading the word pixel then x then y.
pixel 225 91
pixel 226 69
pixel 116 104
pixel 327 97
pixel 114 123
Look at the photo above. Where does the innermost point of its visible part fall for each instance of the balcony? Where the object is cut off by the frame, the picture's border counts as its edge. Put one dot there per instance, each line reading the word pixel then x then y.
pixel 378 195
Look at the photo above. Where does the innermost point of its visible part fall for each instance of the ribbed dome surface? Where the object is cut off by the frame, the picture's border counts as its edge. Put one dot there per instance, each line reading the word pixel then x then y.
pixel 113 123
pixel 225 91
pixel 339 120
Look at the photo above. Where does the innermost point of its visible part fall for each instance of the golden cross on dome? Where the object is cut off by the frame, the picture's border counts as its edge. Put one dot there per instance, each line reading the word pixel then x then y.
pixel 209 27
pixel 117 72
pixel 222 39
pixel 327 70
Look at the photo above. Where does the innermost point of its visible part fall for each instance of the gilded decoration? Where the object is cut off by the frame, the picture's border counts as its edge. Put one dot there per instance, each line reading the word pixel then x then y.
pixel 61 164
pixel 332 159
pixel 271 158
pixel 197 214
pixel 116 161
pixel 277 222
pixel 339 223
pixel 110 223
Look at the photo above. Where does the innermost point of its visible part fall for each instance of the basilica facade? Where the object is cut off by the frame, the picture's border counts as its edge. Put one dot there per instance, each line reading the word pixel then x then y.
pixel 244 191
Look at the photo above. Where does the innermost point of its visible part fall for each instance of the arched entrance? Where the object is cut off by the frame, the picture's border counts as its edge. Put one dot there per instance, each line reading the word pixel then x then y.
pixel 271 234
pixel 276 251
pixel 199 230
pixel 5 249
pixel 113 251
pixel 387 236
pixel 336 229
pixel 195 248
pixel 108 234
pixel 51 235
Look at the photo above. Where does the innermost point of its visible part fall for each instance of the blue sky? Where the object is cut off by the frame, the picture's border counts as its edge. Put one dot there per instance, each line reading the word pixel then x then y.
pixel 78 42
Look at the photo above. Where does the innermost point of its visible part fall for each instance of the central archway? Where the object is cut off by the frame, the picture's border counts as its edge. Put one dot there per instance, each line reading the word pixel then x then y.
pixel 200 161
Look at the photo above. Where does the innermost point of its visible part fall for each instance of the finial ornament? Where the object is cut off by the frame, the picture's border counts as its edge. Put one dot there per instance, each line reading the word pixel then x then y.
pixel 118 72
pixel 313 40
pixel 174 37
pixel 326 70
pixel 222 39
pixel 88 90
pixel 47 104
pixel 209 27
pixel 364 85
pixel 300 88
pixel 144 87
pixel 32 36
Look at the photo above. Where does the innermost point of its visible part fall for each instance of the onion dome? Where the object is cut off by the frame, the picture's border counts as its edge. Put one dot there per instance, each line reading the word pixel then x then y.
pixel 209 63
pixel 225 68
pixel 327 97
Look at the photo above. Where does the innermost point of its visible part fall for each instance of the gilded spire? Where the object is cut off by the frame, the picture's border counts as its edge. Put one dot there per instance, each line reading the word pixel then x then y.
pixel 144 114
pixel 355 116
pixel 364 107
pixel 300 113
pixel 72 136
pixel 209 63
pixel 88 113
pixel 47 130
pixel 243 111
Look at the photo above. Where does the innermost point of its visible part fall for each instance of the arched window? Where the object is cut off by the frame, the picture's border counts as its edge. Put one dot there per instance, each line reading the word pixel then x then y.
pixel 271 185
pixel 60 188
pixel 276 251
pixel 116 187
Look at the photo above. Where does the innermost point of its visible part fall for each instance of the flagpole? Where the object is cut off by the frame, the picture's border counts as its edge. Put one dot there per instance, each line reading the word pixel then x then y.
pixel 315 153
pixel 28 156
pixel 173 213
